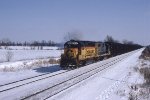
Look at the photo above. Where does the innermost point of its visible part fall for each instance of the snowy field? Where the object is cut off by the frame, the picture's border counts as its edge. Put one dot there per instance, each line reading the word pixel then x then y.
pixel 28 47
pixel 24 58
pixel 25 53
pixel 113 83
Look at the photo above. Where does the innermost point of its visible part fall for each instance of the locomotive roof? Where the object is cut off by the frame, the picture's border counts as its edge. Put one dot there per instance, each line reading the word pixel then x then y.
pixel 92 43
pixel 83 43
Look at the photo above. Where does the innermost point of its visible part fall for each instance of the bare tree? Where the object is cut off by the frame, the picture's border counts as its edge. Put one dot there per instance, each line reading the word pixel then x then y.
pixel 73 36
pixel 110 39
pixel 127 42
pixel 5 42
pixel 0 44
pixel 9 55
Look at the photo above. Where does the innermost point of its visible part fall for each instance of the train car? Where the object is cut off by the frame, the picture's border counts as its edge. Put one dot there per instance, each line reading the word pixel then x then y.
pixel 78 53
pixel 118 48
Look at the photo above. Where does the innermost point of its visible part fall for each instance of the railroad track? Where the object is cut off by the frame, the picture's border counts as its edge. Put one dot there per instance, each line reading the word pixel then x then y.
pixel 22 82
pixel 58 87
pixel 26 81
pixel 19 83
pixel 62 86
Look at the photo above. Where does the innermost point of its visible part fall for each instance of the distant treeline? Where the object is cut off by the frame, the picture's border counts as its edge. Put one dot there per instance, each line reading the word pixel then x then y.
pixel 69 36
pixel 7 42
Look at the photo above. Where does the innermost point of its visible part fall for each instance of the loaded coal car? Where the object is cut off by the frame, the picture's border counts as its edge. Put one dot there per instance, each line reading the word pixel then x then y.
pixel 118 48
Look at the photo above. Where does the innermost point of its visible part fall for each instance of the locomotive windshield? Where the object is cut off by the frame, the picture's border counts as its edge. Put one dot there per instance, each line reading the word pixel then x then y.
pixel 71 44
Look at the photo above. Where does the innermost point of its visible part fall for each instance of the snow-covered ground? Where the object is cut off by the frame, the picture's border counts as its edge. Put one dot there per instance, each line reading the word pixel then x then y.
pixel 28 47
pixel 25 53
pixel 22 57
pixel 7 77
pixel 111 84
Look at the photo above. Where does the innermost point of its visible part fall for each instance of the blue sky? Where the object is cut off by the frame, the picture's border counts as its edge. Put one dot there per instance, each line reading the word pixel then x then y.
pixel 27 20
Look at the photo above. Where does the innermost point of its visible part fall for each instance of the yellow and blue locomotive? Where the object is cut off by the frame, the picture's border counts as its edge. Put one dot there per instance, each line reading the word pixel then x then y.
pixel 78 53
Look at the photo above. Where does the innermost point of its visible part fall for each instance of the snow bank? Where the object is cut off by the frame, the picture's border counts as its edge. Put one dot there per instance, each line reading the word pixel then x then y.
pixel 140 90
pixel 27 64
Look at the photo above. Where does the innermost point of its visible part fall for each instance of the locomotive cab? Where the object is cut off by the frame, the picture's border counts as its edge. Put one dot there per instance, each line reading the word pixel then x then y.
pixel 71 53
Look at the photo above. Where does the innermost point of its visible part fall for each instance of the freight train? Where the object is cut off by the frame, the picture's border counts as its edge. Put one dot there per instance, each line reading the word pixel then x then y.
pixel 79 53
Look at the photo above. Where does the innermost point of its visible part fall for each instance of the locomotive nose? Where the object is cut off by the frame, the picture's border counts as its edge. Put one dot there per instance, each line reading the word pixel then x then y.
pixel 70 53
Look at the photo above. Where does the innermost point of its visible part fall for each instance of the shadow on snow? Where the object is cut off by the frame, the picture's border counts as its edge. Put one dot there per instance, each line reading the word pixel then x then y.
pixel 49 69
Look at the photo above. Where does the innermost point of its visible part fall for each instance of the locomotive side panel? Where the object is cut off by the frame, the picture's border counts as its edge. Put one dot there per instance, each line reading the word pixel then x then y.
pixel 87 53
